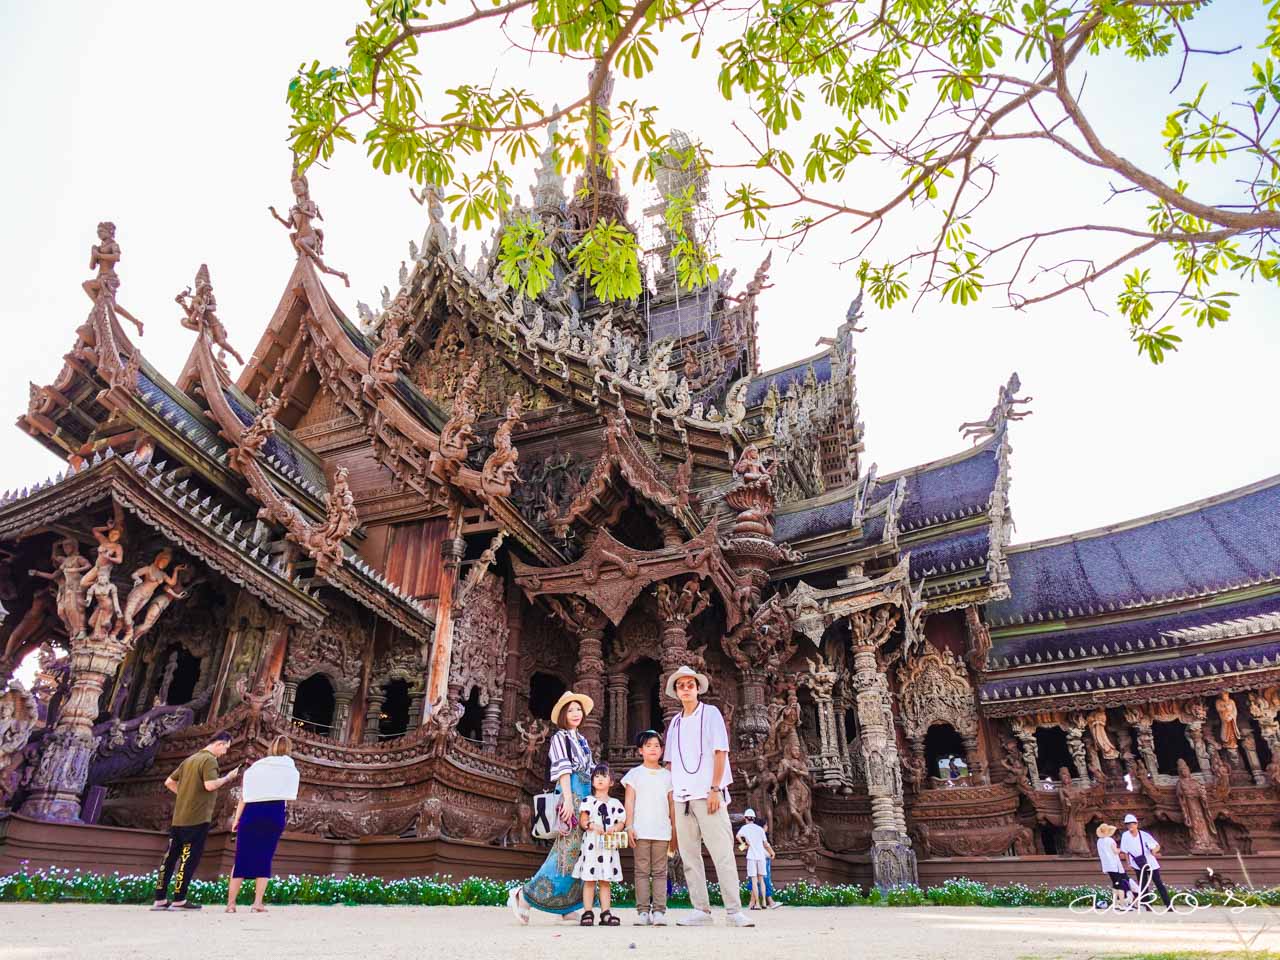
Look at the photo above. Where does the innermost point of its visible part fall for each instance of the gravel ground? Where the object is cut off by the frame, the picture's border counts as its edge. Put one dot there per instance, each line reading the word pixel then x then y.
pixel 64 931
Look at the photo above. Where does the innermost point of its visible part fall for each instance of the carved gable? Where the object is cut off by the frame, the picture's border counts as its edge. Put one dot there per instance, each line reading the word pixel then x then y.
pixel 934 688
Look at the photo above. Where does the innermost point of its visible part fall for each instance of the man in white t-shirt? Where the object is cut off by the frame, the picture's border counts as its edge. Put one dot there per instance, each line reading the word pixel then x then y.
pixel 752 835
pixel 697 754
pixel 1140 849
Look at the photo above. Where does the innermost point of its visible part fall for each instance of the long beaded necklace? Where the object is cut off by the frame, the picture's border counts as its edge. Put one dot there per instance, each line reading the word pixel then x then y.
pixel 702 729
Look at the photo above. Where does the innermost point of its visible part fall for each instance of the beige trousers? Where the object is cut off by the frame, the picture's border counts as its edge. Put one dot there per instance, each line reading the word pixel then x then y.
pixel 695 828
pixel 651 875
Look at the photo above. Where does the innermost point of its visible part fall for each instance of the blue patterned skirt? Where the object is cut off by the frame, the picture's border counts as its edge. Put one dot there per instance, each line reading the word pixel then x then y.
pixel 260 827
pixel 553 888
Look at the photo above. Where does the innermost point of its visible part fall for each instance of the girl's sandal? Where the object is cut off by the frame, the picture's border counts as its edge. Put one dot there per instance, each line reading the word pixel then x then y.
pixel 607 919
pixel 258 909
pixel 588 919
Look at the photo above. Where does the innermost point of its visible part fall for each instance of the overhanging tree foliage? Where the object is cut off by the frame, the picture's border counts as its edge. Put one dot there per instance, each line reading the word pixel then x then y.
pixel 841 92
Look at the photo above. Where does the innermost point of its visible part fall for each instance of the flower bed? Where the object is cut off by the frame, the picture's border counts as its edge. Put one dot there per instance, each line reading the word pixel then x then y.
pixel 53 885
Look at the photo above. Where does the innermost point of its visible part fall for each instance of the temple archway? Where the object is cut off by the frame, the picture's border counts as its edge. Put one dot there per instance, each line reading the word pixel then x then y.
pixel 186 675
pixel 471 726
pixel 314 704
pixel 1172 745
pixel 644 704
pixel 942 744
pixel 544 691
pixel 394 720
pixel 1052 752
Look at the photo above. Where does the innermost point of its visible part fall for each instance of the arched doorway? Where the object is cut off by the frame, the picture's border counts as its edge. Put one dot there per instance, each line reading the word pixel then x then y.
pixel 186 674
pixel 1052 753
pixel 395 710
pixel 644 705
pixel 1173 745
pixel 944 752
pixel 313 705
pixel 471 726
pixel 544 691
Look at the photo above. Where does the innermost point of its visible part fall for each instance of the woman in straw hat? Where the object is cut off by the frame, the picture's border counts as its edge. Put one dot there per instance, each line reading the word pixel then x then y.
pixel 1109 855
pixel 553 888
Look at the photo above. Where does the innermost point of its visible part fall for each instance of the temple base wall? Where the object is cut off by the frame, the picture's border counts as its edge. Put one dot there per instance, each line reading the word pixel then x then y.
pixel 105 849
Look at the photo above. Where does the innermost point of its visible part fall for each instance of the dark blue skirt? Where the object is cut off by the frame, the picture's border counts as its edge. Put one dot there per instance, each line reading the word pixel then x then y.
pixel 260 827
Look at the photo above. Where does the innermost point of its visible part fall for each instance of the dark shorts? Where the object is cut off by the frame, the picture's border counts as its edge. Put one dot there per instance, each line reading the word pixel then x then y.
pixel 1119 881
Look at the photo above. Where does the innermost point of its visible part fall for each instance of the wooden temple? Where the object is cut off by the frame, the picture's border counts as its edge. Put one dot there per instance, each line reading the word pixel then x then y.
pixel 400 537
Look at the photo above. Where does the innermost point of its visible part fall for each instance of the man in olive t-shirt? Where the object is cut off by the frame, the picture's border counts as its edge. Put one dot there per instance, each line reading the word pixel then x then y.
pixel 195 784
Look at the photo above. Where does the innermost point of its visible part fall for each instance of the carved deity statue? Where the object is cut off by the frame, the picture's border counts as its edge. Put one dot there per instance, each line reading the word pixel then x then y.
pixel 201 312
pixel 110 551
pixel 1229 729
pixel 103 257
pixel 459 431
pixel 169 592
pixel 146 580
pixel 68 572
pixel 1193 801
pixel 532 738
pixel 1079 802
pixel 254 437
pixel 500 470
pixel 105 599
pixel 1097 724
pixel 307 238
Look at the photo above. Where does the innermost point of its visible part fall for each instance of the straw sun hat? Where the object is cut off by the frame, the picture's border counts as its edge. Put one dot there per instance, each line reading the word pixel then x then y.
pixel 703 683
pixel 567 698
pixel 1106 829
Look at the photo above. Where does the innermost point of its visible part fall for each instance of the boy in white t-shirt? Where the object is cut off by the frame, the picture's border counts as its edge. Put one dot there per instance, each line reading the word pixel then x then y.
pixel 752 838
pixel 651 815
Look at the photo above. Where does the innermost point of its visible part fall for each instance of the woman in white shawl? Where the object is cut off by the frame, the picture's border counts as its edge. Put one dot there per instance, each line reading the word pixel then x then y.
pixel 260 819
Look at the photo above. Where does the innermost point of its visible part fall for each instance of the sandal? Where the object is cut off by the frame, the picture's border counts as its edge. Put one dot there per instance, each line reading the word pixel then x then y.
pixel 230 910
pixel 588 919
pixel 607 919
pixel 516 903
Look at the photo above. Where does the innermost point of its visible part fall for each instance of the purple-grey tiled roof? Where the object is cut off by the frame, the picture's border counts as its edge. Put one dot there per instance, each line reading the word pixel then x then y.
pixel 815 521
pixel 279 445
pixel 1180 669
pixel 1228 542
pixel 950 554
pixel 949 491
pixel 795 373
pixel 1111 639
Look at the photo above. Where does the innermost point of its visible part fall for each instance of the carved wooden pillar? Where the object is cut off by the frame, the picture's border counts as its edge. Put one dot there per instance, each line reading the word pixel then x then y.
pixel 1249 745
pixel 511 681
pixel 451 553
pixel 892 859
pixel 1263 709
pixel 489 725
pixel 590 678
pixel 676 607
pixel 377 696
pixel 342 714
pixel 1025 731
pixel 619 702
pixel 1075 746
pixel 64 762
pixel 973 757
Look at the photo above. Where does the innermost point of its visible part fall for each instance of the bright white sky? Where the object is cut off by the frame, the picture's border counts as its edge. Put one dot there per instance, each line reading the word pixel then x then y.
pixel 169 119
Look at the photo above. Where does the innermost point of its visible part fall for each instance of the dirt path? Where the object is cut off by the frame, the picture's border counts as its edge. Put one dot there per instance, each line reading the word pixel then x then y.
pixel 62 932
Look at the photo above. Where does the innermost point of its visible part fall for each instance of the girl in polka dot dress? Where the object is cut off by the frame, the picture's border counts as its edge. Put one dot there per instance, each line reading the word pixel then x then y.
pixel 599 814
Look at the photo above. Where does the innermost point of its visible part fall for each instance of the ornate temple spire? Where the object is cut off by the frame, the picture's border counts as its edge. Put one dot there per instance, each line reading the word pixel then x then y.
pixel 548 189
pixel 597 194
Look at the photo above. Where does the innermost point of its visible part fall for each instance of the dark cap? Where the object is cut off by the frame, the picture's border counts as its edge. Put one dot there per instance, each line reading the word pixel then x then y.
pixel 220 736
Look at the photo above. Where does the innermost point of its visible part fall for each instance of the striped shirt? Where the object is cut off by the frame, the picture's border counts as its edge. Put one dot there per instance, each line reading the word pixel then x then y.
pixel 569 753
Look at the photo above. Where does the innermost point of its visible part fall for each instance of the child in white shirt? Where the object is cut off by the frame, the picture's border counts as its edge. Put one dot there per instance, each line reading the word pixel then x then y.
pixel 650 817
pixel 752 838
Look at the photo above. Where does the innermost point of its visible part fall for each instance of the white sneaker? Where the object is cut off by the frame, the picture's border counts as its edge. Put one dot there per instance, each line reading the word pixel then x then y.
pixel 658 918
pixel 739 919
pixel 642 919
pixel 695 918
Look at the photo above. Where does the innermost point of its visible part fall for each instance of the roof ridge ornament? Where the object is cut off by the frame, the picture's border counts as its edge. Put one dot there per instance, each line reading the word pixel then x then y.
pixel 306 238
pixel 200 308
pixel 1005 411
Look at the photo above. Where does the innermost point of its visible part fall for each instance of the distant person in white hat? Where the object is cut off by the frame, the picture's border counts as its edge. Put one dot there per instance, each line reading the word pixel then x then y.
pixel 697 755
pixel 1139 849
pixel 752 838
